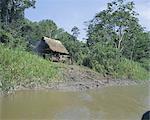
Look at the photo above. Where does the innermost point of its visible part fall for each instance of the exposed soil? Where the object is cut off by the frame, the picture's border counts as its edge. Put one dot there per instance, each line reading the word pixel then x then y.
pixel 75 78
pixel 82 78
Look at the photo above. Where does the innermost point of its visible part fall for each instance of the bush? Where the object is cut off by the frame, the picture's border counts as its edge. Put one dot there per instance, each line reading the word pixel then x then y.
pixel 103 59
pixel 11 41
pixel 145 63
pixel 108 61
pixel 131 70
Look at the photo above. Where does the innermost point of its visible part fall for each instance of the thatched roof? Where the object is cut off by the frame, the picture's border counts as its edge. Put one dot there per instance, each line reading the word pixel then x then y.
pixel 55 45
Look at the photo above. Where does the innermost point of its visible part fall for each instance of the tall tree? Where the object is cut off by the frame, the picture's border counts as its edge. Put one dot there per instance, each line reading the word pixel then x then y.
pixel 116 30
pixel 115 25
pixel 47 28
pixel 75 31
pixel 11 10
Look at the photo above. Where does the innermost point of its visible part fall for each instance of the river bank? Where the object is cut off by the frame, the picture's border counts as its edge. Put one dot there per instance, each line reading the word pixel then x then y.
pixel 75 78
pixel 75 86
pixel 78 85
pixel 20 70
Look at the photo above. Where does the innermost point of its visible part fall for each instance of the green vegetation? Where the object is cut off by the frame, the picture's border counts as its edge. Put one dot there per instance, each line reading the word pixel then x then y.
pixel 107 60
pixel 131 70
pixel 115 34
pixel 116 45
pixel 18 67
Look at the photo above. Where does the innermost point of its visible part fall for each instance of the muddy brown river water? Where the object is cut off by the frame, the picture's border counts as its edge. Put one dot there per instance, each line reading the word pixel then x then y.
pixel 110 103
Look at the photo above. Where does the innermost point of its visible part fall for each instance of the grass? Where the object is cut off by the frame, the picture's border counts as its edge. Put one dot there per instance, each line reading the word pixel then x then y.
pixel 18 66
pixel 131 70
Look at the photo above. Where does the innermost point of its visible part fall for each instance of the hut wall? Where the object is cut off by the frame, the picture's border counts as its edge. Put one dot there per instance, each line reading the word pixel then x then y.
pixel 41 46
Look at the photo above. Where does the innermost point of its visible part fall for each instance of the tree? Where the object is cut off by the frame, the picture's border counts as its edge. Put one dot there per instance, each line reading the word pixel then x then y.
pixel 118 26
pixel 138 49
pixel 75 32
pixel 113 25
pixel 47 28
pixel 103 59
pixel 115 34
pixel 12 10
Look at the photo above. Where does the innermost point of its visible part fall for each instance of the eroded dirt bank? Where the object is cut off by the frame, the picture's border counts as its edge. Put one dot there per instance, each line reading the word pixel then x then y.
pixel 75 78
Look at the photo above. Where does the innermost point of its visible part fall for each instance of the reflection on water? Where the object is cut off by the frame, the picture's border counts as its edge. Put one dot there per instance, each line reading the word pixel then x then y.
pixel 112 103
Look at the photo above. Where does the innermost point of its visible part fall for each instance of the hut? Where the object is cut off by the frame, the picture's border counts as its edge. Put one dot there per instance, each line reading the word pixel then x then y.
pixel 52 49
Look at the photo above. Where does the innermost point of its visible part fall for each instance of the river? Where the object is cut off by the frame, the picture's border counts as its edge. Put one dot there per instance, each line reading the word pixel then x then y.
pixel 110 103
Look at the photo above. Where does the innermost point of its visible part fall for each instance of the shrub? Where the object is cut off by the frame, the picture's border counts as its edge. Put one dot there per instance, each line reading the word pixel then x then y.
pixel 131 70
pixel 12 40
pixel 145 63
pixel 103 58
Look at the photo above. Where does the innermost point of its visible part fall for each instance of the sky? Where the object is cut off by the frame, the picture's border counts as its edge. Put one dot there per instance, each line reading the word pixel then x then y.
pixel 69 13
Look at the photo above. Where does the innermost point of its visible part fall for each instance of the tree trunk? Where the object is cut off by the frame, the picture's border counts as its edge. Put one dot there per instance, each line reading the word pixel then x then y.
pixel 120 39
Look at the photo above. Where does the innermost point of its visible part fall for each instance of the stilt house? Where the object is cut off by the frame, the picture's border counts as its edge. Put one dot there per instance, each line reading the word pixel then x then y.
pixel 52 49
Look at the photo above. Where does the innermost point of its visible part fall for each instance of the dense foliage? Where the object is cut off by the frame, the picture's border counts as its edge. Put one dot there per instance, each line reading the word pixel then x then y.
pixel 12 10
pixel 115 34
pixel 116 45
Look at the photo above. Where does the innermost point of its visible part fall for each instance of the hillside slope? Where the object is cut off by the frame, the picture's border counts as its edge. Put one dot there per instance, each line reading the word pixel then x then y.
pixel 21 70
